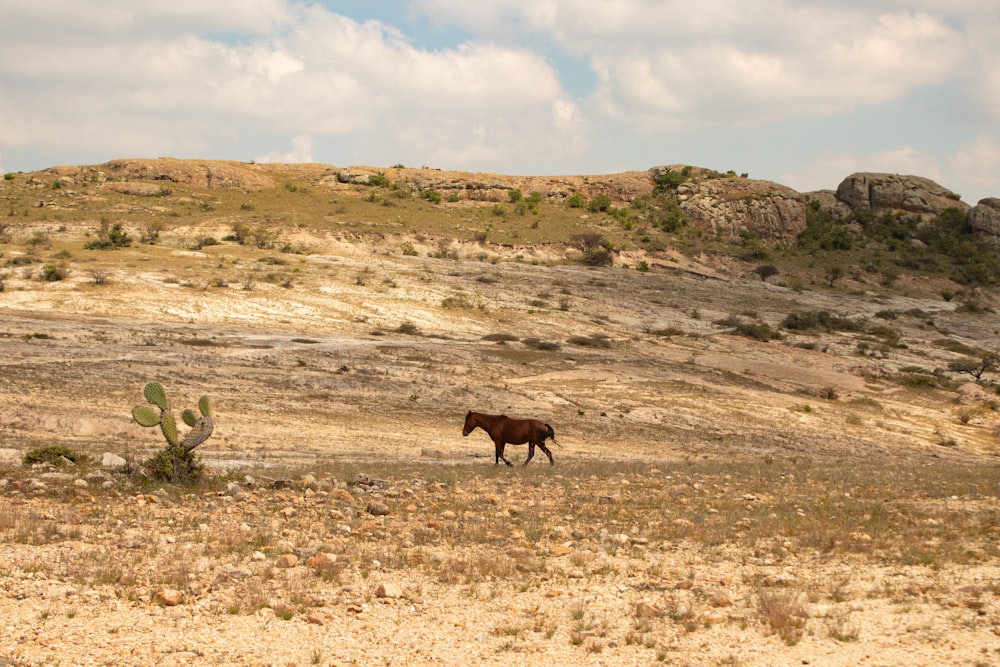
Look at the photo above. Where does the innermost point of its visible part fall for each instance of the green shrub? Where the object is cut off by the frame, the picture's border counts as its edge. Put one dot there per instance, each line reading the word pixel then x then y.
pixel 109 237
pixel 821 319
pixel 597 340
pixel 379 180
pixel 597 257
pixel 599 203
pixel 56 455
pixel 576 201
pixel 539 344
pixel 500 337
pixel 431 195
pixel 53 272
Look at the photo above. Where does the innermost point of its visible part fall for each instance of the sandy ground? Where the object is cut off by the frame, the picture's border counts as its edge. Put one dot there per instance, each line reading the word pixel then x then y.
pixel 370 357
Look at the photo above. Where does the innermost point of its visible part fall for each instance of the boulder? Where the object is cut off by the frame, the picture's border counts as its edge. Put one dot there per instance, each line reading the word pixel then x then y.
pixel 892 193
pixel 984 219
pixel 733 205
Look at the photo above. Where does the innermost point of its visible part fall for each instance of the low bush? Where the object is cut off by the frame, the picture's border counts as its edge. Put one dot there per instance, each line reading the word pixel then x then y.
pixel 56 455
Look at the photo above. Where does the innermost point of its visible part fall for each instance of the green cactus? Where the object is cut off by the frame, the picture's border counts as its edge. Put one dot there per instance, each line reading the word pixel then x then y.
pixel 145 416
pixel 153 391
pixel 177 462
pixel 168 425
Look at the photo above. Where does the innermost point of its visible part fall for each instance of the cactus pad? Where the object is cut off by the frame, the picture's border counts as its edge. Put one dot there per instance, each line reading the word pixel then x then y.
pixel 145 416
pixel 189 418
pixel 154 393
pixel 205 407
pixel 199 433
pixel 169 427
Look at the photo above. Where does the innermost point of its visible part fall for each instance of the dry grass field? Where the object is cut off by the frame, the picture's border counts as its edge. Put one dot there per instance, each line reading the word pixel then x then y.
pixel 727 489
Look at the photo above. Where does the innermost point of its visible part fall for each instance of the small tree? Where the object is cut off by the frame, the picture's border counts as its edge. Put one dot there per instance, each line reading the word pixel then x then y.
pixel 765 271
pixel 833 274
pixel 976 367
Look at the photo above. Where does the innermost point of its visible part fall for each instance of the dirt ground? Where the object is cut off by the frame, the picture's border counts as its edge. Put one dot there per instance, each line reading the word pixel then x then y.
pixel 365 358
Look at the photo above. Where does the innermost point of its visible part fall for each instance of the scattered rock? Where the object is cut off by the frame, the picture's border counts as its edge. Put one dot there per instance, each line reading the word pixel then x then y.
pixel 377 509
pixel 286 561
pixel 646 609
pixel 321 560
pixel 168 597
pixel 388 590
pixel 109 460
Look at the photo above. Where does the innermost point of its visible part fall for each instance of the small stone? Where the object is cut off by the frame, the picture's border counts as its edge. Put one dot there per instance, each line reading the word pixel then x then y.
pixel 377 509
pixel 109 460
pixel 168 597
pixel 315 619
pixel 321 560
pixel 720 599
pixel 342 495
pixel 388 590
pixel 287 561
pixel 646 609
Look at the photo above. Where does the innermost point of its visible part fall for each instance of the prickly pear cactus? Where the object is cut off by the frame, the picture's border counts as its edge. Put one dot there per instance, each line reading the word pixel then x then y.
pixel 176 462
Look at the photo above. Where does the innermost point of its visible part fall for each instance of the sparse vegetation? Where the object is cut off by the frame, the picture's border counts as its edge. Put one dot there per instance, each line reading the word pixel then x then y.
pixel 710 486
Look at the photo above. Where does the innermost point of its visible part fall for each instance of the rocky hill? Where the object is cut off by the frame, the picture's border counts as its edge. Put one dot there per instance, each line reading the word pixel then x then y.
pixel 722 204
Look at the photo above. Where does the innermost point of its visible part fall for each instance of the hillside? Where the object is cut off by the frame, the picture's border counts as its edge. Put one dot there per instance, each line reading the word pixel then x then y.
pixel 344 320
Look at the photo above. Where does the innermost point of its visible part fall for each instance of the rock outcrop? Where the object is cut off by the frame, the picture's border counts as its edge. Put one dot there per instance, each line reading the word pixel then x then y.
pixel 984 218
pixel 730 206
pixel 206 174
pixel 893 193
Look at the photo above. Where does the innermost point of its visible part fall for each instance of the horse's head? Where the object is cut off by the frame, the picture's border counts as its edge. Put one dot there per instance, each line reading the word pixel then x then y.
pixel 470 424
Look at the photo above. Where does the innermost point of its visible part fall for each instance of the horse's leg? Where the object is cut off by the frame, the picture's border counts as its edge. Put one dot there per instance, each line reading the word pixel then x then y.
pixel 547 453
pixel 531 452
pixel 500 444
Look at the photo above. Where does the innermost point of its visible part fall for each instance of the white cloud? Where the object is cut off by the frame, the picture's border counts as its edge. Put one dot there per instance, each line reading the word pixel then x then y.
pixel 978 164
pixel 827 170
pixel 666 63
pixel 136 87
pixel 302 149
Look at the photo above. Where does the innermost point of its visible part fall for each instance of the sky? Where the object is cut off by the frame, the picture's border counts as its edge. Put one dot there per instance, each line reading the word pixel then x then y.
pixel 802 92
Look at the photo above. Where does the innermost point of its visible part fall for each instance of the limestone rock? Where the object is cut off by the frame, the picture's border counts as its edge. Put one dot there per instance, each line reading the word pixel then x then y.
pixel 210 174
pixel 885 193
pixel 984 219
pixel 646 609
pixel 109 460
pixel 377 509
pixel 287 561
pixel 388 590
pixel 733 205
pixel 168 597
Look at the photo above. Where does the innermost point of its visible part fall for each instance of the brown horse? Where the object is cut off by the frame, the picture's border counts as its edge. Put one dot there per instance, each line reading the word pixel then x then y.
pixel 506 431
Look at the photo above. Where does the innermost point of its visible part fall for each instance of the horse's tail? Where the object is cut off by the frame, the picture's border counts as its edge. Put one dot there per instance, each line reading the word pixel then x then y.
pixel 550 433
